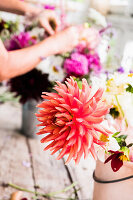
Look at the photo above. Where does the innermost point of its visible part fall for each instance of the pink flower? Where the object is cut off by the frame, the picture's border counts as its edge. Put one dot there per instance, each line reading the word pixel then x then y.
pixel 49 7
pixel 77 65
pixel 94 62
pixel 21 41
pixel 71 120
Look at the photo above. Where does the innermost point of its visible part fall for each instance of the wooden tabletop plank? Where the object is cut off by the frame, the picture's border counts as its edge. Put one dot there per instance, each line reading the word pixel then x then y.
pixel 15 163
pixel 50 174
pixel 82 174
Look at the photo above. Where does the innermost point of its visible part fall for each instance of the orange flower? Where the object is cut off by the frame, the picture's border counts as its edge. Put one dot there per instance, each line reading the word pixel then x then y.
pixel 71 120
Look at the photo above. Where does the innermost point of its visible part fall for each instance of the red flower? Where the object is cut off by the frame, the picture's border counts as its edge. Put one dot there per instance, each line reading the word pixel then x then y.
pixel 73 117
pixel 117 158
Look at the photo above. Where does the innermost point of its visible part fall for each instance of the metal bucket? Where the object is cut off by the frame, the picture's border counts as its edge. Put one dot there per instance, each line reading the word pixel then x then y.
pixel 29 120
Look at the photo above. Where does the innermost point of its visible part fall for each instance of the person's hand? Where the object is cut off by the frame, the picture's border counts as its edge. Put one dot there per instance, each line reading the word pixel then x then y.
pixel 67 39
pixel 90 36
pixel 49 21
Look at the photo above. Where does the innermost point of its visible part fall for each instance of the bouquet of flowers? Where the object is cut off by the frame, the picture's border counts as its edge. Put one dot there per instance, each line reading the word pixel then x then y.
pixel 79 119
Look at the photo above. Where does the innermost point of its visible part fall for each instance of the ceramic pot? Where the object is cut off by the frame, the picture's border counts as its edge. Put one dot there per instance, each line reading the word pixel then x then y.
pixel 100 6
pixel 29 120
pixel 113 191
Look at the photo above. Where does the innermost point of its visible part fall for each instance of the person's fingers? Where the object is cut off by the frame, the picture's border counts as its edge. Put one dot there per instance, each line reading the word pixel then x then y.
pixel 57 23
pixel 47 27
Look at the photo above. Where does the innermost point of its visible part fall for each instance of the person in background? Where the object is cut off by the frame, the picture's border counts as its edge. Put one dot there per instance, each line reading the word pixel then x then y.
pixel 15 63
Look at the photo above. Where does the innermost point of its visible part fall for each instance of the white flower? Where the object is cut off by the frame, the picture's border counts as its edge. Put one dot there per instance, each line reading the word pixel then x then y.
pixel 37 32
pixel 53 66
pixel 111 144
pixel 97 17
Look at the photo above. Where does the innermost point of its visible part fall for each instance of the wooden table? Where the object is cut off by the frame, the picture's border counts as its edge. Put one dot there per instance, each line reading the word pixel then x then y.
pixel 23 162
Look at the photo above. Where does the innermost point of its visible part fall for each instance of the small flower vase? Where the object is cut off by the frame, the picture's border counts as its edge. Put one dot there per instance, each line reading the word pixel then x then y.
pixel 29 120
pixel 100 6
pixel 122 190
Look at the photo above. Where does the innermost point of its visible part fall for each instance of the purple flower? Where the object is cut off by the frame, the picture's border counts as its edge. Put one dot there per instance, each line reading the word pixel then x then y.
pixel 77 65
pixel 116 160
pixel 121 70
pixel 20 41
pixel 49 7
pixel 30 85
pixel 94 62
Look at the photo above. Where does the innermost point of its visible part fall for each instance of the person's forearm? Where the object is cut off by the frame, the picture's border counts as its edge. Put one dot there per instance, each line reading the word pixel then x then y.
pixel 18 7
pixel 21 61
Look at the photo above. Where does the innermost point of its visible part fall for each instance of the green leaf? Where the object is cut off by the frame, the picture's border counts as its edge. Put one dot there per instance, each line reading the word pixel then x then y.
pixel 129 88
pixel 123 137
pixel 125 150
pixel 115 134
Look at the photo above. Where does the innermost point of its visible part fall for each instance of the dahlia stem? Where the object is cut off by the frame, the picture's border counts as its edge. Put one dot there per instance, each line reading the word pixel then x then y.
pixel 121 110
pixel 47 195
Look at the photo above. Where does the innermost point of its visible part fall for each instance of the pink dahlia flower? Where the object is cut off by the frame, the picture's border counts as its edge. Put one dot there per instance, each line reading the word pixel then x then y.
pixel 71 120
pixel 77 65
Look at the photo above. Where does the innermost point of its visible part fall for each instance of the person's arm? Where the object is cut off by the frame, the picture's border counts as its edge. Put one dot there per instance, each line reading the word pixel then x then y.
pixel 22 8
pixel 18 7
pixel 19 62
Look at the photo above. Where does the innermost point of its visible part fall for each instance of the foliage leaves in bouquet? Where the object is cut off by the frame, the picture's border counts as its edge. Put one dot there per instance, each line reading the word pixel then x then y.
pixel 7 28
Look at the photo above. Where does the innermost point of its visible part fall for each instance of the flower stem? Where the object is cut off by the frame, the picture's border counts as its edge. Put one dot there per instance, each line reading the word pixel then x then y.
pixel 121 110
pixel 47 195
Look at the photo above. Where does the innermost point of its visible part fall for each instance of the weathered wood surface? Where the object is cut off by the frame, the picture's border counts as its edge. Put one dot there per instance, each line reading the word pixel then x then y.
pixel 50 174
pixel 23 162
pixel 82 173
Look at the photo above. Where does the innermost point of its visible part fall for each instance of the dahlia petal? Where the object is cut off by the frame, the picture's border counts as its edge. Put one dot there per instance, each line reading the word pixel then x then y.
pixel 79 143
pixel 100 129
pixel 60 109
pixel 56 130
pixel 67 107
pixel 62 153
pixel 71 89
pixel 71 154
pixel 71 133
pixel 94 134
pixel 89 140
pixel 52 95
pixel 58 143
pixel 95 120
pixel 99 113
pixel 60 123
pixel 93 152
pixel 56 149
pixel 81 130
pixel 62 136
pixel 66 115
pixel 48 138
pixel 98 94
pixel 62 86
pixel 72 141
pixel 49 146
pixel 79 155
pixel 79 103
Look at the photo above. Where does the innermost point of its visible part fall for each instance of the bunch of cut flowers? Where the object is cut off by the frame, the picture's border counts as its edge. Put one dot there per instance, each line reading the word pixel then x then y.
pixel 79 119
